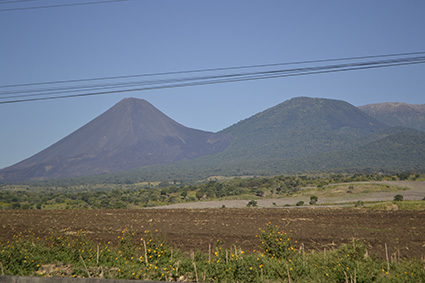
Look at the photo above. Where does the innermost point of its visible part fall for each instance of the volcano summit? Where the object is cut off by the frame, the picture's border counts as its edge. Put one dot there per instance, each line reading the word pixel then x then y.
pixel 131 134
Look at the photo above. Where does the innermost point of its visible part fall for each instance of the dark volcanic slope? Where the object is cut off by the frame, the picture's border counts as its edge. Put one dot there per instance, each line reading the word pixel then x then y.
pixel 131 134
pixel 397 114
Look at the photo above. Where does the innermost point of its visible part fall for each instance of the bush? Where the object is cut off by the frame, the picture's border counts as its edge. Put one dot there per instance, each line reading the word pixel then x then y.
pixel 398 198
pixel 313 200
pixel 276 244
pixel 252 203
pixel 300 203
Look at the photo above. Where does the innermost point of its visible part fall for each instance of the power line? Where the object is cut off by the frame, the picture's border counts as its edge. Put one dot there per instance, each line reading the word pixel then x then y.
pixel 213 69
pixel 63 90
pixel 209 80
pixel 61 5
pixel 16 1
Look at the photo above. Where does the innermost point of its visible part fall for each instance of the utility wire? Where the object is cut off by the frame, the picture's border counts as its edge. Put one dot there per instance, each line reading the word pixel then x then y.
pixel 16 1
pixel 63 90
pixel 248 77
pixel 214 69
pixel 60 5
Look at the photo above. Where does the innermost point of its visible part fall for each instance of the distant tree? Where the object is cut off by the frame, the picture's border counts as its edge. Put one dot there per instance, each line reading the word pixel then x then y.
pixel 16 205
pixel 252 203
pixel 398 198
pixel 184 194
pixel 259 193
pixel 403 176
pixel 313 200
pixel 165 191
pixel 199 195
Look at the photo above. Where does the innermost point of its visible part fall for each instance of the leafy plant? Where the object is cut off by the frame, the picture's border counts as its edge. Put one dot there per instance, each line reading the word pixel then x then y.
pixel 398 198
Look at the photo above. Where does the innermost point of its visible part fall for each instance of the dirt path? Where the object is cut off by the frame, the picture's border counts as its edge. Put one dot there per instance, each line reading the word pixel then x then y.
pixel 416 191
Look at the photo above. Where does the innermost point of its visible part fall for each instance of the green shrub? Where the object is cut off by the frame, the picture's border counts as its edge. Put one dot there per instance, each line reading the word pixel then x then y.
pixel 276 244
pixel 398 198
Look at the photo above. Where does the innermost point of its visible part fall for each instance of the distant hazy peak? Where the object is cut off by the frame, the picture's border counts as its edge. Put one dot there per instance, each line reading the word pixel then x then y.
pixel 392 107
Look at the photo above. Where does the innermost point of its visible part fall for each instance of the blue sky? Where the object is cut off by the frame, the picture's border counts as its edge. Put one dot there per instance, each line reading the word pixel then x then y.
pixel 137 36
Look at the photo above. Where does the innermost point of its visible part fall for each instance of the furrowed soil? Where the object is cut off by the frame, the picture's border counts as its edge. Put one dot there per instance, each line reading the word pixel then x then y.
pixel 196 229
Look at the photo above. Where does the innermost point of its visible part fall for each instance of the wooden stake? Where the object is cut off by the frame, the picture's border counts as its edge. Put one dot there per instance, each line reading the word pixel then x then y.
pixel 324 255
pixel 2 269
pixel 209 252
pixel 346 277
pixel 97 258
pixel 289 275
pixel 386 254
pixel 146 252
pixel 85 266
pixel 196 273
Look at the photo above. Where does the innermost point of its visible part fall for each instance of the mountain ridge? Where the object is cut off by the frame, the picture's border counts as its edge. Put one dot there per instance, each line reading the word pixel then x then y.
pixel 300 135
pixel 397 114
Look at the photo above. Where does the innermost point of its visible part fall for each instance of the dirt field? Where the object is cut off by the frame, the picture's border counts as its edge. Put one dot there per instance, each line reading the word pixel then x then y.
pixel 191 229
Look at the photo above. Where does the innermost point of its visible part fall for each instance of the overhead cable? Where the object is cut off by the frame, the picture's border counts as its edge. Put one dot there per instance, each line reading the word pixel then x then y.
pixel 214 69
pixel 61 5
pixel 208 80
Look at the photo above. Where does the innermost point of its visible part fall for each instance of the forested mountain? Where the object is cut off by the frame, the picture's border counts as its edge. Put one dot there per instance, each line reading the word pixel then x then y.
pixel 301 135
pixel 397 114
pixel 300 127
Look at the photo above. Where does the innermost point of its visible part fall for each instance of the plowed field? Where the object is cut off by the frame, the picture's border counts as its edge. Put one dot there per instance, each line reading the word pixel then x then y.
pixel 191 229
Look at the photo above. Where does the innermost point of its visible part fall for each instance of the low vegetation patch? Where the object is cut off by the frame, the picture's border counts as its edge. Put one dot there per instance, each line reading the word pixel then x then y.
pixel 139 195
pixel 279 258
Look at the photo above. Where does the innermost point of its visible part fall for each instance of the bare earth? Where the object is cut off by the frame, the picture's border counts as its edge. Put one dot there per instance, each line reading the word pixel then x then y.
pixel 192 229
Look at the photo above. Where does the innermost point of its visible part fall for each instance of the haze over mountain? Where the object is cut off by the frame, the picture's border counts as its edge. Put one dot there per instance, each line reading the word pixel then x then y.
pixel 300 135
pixel 397 114
pixel 131 134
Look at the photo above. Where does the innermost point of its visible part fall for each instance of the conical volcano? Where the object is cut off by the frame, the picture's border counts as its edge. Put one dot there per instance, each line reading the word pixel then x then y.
pixel 131 134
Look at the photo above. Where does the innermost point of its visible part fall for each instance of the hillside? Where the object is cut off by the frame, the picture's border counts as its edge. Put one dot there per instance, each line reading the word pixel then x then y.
pixel 302 135
pixel 301 127
pixel 397 114
pixel 131 134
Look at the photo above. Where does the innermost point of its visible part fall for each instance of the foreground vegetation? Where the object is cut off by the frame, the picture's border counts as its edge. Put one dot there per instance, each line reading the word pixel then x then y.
pixel 279 258
pixel 99 196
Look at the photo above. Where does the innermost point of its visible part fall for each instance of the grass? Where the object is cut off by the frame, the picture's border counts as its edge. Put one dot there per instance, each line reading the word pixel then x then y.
pixel 279 258
pixel 399 205
pixel 350 189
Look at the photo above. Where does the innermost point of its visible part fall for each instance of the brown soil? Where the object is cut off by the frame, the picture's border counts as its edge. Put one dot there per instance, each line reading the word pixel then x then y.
pixel 191 229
